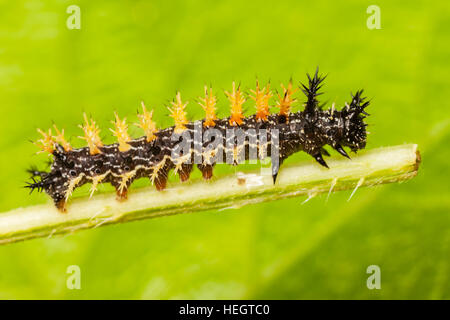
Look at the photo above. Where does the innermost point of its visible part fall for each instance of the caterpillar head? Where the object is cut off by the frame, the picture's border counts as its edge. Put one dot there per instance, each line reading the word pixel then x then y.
pixel 354 129
pixel 345 128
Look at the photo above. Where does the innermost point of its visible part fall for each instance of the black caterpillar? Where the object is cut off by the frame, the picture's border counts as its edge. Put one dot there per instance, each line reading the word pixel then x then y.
pixel 155 154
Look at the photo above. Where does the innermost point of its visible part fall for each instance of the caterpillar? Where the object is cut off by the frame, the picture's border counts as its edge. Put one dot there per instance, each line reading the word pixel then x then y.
pixel 203 143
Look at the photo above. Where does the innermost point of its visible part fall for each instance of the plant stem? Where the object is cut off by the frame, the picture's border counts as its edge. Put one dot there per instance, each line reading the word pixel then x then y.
pixel 377 166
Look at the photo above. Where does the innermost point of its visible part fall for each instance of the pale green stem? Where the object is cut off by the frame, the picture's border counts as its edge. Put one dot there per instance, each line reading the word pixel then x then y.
pixel 377 166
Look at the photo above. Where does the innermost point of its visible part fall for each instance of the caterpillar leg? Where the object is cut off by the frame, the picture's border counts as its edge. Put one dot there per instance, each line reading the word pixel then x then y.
pixel 122 195
pixel 207 170
pixel 341 150
pixel 161 182
pixel 318 157
pixel 121 190
pixel 60 201
pixel 185 171
pixel 61 205
pixel 159 174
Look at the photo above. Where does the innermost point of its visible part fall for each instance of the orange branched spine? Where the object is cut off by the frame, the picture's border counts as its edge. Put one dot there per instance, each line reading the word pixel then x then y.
pixel 91 135
pixel 147 124
pixel 47 143
pixel 59 138
pixel 178 114
pixel 262 98
pixel 121 133
pixel 286 100
pixel 208 103
pixel 237 100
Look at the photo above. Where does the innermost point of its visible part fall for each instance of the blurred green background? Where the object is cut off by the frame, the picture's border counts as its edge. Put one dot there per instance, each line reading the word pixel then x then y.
pixel 128 51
